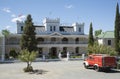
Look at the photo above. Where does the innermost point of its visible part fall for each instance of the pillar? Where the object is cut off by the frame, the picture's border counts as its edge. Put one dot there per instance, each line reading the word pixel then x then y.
pixel 3 50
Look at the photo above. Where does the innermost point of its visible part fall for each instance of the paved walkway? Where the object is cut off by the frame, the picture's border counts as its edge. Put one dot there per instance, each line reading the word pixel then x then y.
pixel 53 70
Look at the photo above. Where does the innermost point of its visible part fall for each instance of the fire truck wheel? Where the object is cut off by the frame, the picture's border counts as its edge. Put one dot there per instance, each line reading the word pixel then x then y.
pixel 97 68
pixel 85 66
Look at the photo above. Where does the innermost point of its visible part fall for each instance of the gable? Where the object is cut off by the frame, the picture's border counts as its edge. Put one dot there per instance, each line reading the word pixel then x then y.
pixel 56 34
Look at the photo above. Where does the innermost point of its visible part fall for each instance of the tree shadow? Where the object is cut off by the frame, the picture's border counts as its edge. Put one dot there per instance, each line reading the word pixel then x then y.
pixel 38 72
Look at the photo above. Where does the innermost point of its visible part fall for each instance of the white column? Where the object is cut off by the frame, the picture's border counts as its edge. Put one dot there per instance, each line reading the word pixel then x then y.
pixel 60 55
pixel 68 55
pixel 43 57
pixel 83 56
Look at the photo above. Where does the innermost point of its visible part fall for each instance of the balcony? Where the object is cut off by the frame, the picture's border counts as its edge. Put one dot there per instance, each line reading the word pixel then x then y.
pixel 12 43
pixel 62 44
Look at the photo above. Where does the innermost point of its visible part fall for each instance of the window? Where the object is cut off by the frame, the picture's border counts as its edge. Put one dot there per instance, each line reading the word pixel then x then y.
pixel 91 58
pixel 21 28
pixel 79 29
pixel 54 28
pixel 50 28
pixel 61 29
pixel 109 42
pixel 53 40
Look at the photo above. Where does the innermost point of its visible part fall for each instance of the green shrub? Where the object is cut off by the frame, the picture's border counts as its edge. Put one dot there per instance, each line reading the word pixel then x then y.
pixel 13 53
pixel 75 56
pixel 118 64
pixel 6 56
pixel 101 49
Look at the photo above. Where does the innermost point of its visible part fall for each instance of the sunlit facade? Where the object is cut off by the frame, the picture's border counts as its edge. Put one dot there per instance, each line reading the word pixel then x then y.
pixel 52 37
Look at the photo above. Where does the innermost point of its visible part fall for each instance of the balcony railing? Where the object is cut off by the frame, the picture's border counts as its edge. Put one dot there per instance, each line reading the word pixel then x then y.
pixel 52 42
pixel 63 42
pixel 13 43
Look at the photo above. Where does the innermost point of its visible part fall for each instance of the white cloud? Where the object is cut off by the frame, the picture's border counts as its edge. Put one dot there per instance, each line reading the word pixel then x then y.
pixel 12 29
pixel 19 18
pixel 7 27
pixel 13 15
pixel 6 10
pixel 68 6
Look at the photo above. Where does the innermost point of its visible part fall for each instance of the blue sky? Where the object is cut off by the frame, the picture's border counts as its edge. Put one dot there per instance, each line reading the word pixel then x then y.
pixel 100 12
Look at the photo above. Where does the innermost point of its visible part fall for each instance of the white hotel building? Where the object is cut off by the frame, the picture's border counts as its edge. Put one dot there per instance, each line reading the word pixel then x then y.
pixel 52 38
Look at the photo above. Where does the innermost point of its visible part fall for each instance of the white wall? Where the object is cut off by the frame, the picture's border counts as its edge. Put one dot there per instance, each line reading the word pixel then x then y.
pixel 100 41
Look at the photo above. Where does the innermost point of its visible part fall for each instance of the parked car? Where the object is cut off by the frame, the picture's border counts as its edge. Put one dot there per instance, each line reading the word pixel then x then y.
pixel 100 62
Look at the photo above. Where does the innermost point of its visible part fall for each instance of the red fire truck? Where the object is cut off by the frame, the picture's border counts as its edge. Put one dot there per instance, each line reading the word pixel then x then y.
pixel 100 61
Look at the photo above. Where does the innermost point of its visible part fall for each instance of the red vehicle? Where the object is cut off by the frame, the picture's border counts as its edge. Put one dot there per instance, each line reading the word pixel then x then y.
pixel 100 61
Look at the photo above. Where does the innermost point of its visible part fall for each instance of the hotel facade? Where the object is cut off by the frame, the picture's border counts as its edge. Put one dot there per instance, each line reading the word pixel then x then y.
pixel 52 37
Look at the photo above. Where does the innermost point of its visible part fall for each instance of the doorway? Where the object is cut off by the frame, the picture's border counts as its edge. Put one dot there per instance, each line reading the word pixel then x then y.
pixel 53 52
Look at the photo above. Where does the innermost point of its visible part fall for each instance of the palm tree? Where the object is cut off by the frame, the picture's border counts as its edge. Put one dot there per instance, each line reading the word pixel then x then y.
pixel 5 32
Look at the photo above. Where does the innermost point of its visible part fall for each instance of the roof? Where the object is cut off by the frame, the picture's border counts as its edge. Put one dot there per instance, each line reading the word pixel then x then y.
pixel 39 26
pixel 107 34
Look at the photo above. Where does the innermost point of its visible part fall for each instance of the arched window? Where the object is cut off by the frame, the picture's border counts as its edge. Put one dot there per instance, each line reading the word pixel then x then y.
pixel 40 40
pixel 53 40
pixel 77 40
pixel 65 40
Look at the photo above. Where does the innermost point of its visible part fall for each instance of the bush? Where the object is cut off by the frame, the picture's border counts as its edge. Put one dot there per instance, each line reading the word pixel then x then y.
pixel 6 56
pixel 13 53
pixel 28 69
pixel 75 56
pixel 118 64
pixel 101 49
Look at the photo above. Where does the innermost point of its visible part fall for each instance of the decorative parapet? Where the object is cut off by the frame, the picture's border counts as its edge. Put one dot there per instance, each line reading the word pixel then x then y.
pixel 48 20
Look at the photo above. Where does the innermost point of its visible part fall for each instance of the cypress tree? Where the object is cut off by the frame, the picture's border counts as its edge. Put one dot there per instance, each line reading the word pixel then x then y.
pixel 117 29
pixel 28 40
pixel 91 38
